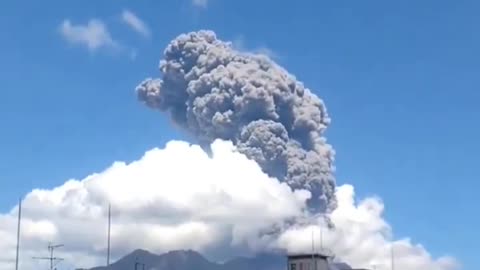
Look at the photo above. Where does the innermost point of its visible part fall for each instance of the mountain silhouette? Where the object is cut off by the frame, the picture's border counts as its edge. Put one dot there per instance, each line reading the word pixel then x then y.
pixel 192 260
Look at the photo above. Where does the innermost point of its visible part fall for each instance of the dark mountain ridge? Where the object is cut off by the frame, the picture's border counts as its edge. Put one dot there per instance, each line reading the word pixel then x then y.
pixel 192 260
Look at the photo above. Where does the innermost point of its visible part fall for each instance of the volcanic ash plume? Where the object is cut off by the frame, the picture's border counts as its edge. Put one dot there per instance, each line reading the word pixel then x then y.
pixel 215 92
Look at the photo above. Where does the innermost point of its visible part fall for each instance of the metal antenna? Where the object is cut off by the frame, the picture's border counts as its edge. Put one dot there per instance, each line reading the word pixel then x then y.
pixel 18 232
pixel 313 241
pixel 314 263
pixel 321 238
pixel 53 260
pixel 109 230
pixel 392 258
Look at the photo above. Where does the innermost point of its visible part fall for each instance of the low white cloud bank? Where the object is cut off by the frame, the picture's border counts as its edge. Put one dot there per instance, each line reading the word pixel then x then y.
pixel 180 198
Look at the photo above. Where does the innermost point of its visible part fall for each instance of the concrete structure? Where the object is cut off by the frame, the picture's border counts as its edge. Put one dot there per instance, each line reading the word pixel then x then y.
pixel 315 261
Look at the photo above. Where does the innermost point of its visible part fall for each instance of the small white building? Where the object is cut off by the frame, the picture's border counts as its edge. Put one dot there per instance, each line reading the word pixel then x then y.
pixel 305 261
pixel 316 261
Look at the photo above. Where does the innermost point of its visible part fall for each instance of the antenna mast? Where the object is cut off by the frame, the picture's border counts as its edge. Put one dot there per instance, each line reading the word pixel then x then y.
pixel 392 258
pixel 18 232
pixel 109 230
pixel 314 262
pixel 321 238
pixel 52 259
pixel 313 242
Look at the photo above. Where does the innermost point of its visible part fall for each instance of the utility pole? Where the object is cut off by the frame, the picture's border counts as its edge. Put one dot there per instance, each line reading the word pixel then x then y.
pixel 321 238
pixel 392 258
pixel 138 263
pixel 108 240
pixel 314 261
pixel 324 220
pixel 18 232
pixel 52 259
pixel 313 242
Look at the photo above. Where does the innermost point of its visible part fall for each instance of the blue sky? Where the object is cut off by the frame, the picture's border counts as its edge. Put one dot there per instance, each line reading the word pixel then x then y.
pixel 399 79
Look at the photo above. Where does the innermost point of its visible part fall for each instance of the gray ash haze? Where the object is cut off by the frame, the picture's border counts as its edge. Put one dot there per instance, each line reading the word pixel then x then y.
pixel 214 92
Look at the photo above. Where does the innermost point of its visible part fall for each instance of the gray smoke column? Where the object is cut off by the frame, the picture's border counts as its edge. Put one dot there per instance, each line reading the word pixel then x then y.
pixel 216 92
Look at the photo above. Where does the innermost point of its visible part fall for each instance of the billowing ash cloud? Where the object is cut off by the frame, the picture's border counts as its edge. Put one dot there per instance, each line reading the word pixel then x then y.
pixel 215 92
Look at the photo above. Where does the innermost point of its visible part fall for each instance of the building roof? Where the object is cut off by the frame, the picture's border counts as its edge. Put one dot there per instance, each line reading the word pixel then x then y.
pixel 306 256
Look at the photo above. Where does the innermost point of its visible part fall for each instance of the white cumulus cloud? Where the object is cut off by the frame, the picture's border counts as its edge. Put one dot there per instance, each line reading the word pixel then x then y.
pixel 180 198
pixel 93 35
pixel 363 238
pixel 135 23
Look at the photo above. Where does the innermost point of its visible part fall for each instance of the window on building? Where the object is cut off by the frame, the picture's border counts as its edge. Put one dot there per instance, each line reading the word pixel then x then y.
pixel 293 266
pixel 301 266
